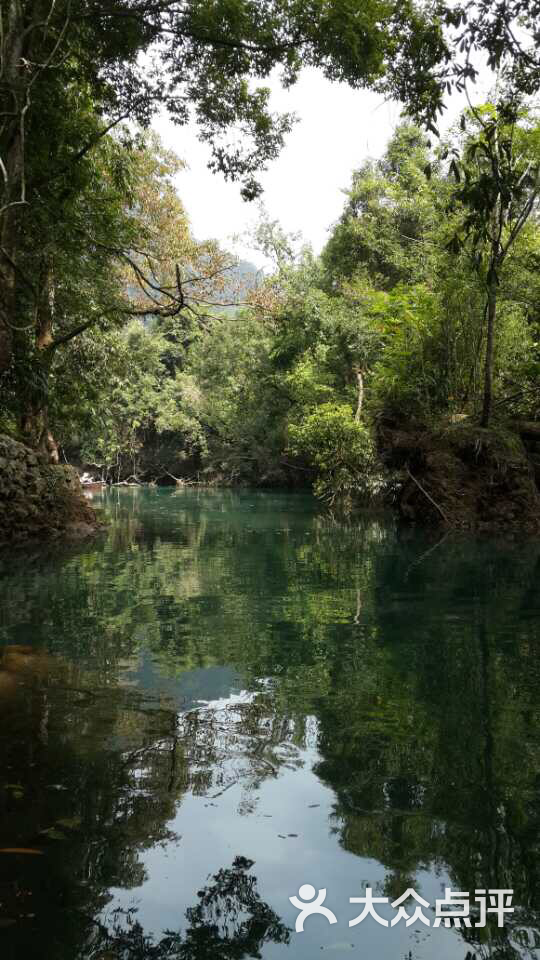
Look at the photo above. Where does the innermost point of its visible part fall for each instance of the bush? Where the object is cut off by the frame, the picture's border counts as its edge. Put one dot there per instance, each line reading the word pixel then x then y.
pixel 340 449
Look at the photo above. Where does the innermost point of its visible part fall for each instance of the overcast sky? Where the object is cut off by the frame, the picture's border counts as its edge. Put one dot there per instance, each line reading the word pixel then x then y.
pixel 337 129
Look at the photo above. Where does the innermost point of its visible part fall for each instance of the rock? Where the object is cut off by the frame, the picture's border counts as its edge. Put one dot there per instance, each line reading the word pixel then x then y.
pixel 461 476
pixel 38 499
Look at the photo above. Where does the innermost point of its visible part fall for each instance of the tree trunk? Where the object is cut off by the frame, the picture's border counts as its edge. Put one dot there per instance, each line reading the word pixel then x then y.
pixel 6 313
pixel 47 445
pixel 490 349
pixel 360 382
pixel 11 150
pixel 35 420
pixel 38 434
pixel 8 257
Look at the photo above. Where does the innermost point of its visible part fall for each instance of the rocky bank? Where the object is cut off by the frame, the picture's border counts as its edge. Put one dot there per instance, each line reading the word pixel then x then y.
pixel 461 476
pixel 39 500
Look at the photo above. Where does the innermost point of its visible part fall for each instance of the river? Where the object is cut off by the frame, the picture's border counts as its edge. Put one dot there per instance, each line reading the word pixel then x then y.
pixel 231 695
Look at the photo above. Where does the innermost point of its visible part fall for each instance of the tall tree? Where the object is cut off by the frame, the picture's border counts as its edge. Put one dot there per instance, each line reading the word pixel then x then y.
pixel 198 59
pixel 101 250
pixel 390 210
pixel 498 177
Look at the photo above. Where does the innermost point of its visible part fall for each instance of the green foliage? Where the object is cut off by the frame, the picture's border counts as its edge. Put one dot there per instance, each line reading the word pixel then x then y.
pixel 408 379
pixel 341 450
pixel 231 402
pixel 67 184
pixel 292 388
pixel 441 51
pixel 124 414
pixel 388 324
pixel 391 210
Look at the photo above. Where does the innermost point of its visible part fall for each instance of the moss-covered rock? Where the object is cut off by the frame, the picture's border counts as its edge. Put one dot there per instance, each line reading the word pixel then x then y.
pixel 39 500
pixel 460 475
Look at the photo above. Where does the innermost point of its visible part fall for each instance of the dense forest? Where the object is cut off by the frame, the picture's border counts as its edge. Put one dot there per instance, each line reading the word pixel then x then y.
pixel 401 365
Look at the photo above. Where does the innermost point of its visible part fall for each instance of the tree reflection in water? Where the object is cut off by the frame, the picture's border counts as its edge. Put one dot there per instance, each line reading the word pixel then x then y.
pixel 410 671
pixel 91 778
pixel 229 922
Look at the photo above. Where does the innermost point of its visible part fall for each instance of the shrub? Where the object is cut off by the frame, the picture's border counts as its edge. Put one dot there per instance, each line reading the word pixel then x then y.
pixel 340 449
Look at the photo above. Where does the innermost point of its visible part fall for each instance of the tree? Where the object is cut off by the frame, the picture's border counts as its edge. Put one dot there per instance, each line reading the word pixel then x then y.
pixel 209 54
pixel 341 450
pixel 443 54
pixel 498 177
pixel 231 921
pixel 390 212
pixel 406 230
pixel 102 249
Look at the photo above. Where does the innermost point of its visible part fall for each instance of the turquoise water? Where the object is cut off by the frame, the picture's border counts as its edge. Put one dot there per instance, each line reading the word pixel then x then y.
pixel 230 695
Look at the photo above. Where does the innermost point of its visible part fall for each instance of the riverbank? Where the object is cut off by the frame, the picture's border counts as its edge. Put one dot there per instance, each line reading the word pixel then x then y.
pixel 40 500
pixel 455 476
pixel 461 476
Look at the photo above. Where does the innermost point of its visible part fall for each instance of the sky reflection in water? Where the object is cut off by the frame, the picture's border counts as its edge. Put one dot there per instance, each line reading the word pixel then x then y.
pixel 232 694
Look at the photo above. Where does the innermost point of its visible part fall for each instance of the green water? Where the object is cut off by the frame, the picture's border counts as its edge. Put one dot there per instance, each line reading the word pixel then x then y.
pixel 230 695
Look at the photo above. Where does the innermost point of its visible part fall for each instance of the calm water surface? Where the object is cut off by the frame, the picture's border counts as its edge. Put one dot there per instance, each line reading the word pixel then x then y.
pixel 230 695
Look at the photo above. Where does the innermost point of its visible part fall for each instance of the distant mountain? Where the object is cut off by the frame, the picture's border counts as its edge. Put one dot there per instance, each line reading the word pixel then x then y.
pixel 239 280
pixel 245 276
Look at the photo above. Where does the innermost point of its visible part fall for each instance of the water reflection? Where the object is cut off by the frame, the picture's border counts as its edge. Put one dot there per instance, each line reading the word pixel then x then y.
pixel 232 694
pixel 230 921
